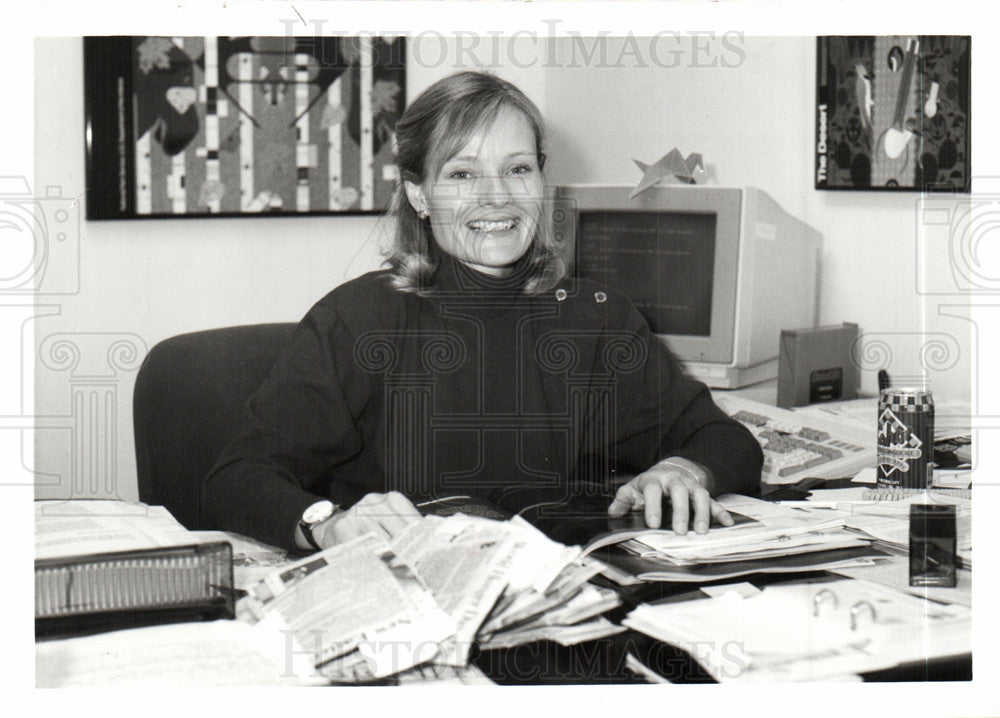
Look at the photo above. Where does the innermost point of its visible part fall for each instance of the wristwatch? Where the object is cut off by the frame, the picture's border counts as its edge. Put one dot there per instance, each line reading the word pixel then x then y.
pixel 312 517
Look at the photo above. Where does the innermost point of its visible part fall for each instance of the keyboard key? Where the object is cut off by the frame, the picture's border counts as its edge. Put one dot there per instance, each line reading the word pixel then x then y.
pixel 750 418
pixel 814 434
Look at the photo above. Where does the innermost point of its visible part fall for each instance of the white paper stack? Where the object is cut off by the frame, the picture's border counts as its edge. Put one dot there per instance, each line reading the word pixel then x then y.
pixel 775 539
pixel 828 630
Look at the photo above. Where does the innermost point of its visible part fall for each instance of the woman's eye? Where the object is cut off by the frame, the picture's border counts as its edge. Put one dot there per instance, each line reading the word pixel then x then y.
pixel 521 169
pixel 460 174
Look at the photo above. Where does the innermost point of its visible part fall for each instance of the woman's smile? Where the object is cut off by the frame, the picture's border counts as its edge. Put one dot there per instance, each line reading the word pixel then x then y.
pixel 491 226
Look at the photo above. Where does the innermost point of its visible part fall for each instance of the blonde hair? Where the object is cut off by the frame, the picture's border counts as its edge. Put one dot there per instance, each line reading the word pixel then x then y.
pixel 437 124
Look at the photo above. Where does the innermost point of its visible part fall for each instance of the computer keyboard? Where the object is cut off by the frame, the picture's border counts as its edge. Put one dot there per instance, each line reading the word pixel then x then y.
pixel 797 447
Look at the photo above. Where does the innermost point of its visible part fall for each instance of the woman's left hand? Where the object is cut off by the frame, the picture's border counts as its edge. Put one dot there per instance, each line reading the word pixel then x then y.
pixel 647 490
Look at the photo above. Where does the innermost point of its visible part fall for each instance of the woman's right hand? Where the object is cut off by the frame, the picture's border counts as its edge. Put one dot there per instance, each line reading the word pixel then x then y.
pixel 384 514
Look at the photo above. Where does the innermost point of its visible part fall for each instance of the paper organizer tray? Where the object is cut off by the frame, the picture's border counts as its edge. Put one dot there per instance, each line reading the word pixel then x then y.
pixel 101 592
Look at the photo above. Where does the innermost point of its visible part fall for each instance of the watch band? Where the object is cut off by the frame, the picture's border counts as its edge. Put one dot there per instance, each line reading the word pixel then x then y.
pixel 307 533
pixel 313 517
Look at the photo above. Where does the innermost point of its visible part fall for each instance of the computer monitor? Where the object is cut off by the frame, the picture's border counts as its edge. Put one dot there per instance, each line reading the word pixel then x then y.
pixel 717 272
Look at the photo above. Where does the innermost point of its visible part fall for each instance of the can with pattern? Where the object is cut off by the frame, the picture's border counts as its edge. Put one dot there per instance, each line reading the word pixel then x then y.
pixel 905 451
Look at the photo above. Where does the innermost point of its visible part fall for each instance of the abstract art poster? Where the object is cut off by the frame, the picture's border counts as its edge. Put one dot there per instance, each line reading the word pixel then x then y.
pixel 229 126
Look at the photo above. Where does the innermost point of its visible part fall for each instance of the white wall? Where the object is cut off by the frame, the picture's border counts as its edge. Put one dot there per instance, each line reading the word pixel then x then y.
pixel 142 281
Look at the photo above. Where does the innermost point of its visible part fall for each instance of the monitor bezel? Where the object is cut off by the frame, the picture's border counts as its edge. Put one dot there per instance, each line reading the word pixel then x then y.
pixel 726 203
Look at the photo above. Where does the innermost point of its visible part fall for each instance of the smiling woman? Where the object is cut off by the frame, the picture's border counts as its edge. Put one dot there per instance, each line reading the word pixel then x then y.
pixel 473 365
pixel 484 204
pixel 470 156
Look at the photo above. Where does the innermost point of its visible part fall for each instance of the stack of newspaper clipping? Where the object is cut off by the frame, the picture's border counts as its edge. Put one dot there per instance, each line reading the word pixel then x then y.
pixel 373 608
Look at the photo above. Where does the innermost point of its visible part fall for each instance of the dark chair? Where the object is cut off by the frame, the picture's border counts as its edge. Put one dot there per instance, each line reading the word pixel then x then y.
pixel 189 396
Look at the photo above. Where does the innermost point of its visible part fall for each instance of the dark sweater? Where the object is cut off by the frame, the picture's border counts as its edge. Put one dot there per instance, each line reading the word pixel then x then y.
pixel 471 389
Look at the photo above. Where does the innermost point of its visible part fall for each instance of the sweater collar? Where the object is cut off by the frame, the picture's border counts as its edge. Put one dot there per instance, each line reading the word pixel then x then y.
pixel 453 276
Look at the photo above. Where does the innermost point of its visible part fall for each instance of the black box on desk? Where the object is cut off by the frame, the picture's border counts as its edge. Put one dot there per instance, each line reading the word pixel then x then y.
pixel 817 365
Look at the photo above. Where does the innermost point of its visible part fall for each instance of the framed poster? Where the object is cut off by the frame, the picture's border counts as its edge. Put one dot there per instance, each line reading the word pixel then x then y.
pixel 892 112
pixel 230 126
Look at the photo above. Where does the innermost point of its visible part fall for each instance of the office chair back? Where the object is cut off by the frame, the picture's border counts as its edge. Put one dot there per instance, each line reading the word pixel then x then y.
pixel 188 400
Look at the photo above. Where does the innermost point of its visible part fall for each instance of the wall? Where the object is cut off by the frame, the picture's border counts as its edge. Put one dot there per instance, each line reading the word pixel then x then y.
pixel 142 281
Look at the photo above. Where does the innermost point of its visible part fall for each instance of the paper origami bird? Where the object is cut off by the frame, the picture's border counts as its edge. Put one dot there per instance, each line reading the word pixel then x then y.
pixel 671 164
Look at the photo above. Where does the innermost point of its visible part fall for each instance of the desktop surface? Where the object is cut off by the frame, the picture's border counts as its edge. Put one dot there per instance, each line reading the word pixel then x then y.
pixel 635 657
pixel 766 392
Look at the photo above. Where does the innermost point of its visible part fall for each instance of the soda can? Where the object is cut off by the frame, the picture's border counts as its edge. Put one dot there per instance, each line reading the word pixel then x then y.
pixel 905 451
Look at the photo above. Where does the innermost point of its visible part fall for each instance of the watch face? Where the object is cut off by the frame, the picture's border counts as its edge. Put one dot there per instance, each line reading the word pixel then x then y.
pixel 318 512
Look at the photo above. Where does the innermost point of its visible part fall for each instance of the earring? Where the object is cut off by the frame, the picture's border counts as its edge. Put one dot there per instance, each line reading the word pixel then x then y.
pixel 423 214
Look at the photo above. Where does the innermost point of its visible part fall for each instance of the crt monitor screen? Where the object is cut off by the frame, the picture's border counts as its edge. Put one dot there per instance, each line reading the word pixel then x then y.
pixel 661 260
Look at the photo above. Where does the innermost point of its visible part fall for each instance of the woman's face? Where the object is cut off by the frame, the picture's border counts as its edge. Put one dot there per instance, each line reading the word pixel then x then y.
pixel 485 201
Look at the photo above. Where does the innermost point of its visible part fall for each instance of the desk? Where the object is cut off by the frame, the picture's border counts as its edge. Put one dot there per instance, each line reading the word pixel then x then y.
pixel 605 661
pixel 765 392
